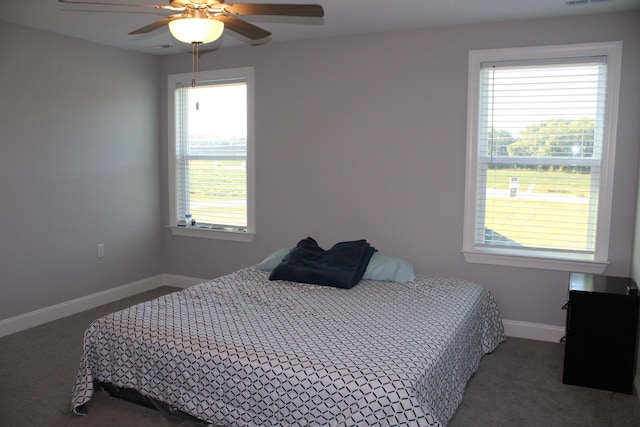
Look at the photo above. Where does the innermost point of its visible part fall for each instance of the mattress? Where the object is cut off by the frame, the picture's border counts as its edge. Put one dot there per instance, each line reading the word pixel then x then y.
pixel 245 351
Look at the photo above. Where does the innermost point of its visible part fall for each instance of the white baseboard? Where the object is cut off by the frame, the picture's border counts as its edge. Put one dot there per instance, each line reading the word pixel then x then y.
pixel 68 308
pixel 513 328
pixel 180 281
pixel 533 331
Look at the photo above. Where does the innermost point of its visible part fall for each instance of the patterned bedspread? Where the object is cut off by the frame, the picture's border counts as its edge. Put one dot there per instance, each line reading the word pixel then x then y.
pixel 243 351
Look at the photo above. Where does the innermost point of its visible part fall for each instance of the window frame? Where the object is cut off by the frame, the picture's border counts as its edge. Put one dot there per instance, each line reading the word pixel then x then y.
pixel 543 259
pixel 222 75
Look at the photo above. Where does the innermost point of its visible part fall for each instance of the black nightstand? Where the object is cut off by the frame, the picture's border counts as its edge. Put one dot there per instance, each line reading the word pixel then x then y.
pixel 602 322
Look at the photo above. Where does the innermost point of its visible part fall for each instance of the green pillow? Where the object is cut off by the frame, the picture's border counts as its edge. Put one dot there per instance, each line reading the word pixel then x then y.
pixel 270 262
pixel 389 268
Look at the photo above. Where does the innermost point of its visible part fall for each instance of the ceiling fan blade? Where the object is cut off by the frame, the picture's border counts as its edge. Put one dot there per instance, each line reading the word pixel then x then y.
pixel 155 25
pixel 243 28
pixel 154 6
pixel 309 10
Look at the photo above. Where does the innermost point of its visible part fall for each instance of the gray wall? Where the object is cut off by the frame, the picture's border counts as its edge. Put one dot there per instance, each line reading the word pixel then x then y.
pixel 364 137
pixel 635 273
pixel 635 262
pixel 79 164
pixel 357 137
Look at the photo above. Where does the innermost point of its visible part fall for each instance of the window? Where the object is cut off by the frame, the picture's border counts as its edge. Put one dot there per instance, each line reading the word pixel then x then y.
pixel 211 154
pixel 540 151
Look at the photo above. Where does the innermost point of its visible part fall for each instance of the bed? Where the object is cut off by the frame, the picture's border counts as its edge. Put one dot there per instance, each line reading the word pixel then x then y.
pixel 243 350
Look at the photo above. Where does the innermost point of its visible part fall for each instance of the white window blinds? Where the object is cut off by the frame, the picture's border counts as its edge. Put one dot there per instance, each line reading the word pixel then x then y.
pixel 211 153
pixel 540 144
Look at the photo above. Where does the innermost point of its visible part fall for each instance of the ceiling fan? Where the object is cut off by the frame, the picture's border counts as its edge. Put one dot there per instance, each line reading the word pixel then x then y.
pixel 203 21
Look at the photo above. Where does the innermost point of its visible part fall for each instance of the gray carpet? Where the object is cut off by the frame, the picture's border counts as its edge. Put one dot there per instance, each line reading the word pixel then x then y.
pixel 518 385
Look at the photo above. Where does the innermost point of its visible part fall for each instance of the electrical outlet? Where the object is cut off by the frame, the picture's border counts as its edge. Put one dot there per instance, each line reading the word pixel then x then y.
pixel 99 250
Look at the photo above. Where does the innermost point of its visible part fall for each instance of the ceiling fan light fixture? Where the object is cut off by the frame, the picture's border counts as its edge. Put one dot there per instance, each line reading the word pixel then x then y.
pixel 196 30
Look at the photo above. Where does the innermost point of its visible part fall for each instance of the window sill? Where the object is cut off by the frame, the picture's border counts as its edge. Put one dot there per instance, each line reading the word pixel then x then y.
pixel 208 233
pixel 534 260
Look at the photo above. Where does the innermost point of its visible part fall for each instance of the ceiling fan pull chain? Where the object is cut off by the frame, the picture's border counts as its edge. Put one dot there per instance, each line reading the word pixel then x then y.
pixel 195 62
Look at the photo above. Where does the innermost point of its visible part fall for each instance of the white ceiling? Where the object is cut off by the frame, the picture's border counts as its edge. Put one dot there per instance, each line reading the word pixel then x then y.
pixel 110 25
